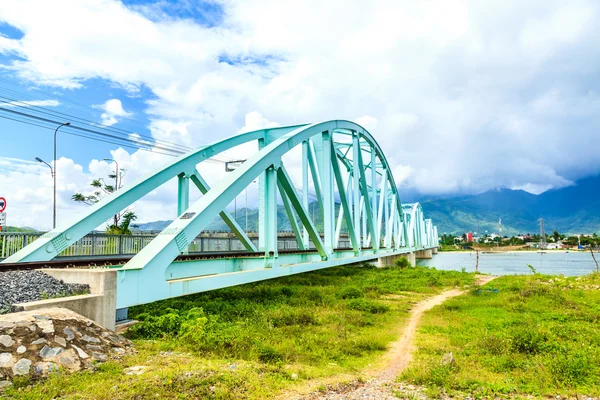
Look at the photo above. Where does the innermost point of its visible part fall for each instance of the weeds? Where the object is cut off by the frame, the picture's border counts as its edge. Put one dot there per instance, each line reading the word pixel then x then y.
pixel 537 336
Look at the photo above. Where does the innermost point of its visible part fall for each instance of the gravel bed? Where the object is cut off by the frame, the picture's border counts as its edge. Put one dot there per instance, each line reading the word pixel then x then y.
pixel 25 286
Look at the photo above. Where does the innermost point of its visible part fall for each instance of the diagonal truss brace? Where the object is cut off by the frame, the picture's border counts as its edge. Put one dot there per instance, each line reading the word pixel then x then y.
pixel 228 218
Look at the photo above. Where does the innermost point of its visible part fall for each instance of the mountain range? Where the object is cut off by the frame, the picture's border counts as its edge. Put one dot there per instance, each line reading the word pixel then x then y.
pixel 572 209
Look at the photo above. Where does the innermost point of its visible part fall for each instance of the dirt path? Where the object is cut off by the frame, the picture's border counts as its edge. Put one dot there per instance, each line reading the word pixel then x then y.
pixel 400 352
pixel 397 358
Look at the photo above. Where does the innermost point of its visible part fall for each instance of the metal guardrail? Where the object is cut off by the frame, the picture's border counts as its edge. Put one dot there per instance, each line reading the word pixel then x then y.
pixel 101 244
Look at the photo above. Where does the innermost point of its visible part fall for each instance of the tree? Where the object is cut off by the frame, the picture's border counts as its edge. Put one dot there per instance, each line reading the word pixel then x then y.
pixel 556 235
pixel 122 220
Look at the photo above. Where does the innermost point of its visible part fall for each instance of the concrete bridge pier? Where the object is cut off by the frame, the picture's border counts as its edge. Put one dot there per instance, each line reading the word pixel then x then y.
pixel 435 250
pixel 424 254
pixel 388 261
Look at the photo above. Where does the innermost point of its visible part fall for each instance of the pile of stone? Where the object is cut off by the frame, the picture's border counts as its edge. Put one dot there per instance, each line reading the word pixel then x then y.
pixel 39 342
pixel 25 286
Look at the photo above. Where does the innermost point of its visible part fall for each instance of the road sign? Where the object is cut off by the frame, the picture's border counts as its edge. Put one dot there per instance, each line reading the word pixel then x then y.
pixel 2 218
pixel 2 204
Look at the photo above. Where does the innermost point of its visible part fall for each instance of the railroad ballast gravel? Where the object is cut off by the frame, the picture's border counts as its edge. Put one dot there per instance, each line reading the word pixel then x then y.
pixel 25 286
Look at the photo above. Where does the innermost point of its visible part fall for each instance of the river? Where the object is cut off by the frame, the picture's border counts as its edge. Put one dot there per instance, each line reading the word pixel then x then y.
pixel 550 262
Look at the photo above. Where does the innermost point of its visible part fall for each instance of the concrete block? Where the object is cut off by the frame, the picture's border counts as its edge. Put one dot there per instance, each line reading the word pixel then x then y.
pixel 100 305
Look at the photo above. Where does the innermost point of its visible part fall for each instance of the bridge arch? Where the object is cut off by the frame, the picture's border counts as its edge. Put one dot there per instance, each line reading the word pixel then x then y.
pixel 347 167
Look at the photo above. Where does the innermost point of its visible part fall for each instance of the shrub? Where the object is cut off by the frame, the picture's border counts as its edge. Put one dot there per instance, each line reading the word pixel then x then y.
pixel 269 354
pixel 570 369
pixel 350 293
pixel 527 340
pixel 370 306
pixel 402 262
pixel 151 327
pixel 294 317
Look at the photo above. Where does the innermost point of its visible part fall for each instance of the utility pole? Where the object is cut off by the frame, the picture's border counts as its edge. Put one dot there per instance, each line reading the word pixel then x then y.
pixel 231 166
pixel 54 202
pixel 542 234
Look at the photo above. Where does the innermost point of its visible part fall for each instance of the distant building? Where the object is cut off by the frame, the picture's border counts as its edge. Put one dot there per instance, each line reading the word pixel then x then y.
pixel 469 236
pixel 553 246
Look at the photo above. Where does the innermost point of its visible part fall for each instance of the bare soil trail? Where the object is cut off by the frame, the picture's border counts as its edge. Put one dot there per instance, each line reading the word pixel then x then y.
pixel 400 353
pixel 397 358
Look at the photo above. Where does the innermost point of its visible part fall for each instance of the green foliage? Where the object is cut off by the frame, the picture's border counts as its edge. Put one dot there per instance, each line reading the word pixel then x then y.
pixel 531 268
pixel 538 335
pixel 402 262
pixel 350 293
pixel 369 306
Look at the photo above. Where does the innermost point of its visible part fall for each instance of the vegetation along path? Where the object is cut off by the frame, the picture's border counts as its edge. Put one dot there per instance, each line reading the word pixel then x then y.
pixel 382 386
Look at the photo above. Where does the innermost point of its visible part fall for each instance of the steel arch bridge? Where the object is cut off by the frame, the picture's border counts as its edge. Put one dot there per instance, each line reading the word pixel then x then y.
pixel 344 165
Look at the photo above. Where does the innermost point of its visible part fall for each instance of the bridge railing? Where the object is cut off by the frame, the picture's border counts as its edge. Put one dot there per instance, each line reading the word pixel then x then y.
pixel 101 244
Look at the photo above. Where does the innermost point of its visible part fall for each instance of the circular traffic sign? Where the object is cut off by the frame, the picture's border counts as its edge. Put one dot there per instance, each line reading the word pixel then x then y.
pixel 2 204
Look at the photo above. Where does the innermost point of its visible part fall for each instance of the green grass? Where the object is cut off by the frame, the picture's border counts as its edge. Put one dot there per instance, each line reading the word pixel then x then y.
pixel 253 341
pixel 539 335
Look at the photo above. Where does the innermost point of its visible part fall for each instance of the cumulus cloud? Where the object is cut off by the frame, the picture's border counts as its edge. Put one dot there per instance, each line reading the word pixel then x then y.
pixel 113 112
pixel 462 96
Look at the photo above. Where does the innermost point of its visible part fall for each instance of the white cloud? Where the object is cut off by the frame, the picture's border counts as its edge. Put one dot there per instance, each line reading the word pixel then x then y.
pixel 113 112
pixel 30 103
pixel 462 96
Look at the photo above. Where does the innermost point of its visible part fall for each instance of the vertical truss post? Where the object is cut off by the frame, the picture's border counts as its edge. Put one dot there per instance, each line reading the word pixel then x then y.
pixel 363 214
pixel 327 181
pixel 183 193
pixel 270 214
pixel 305 150
pixel 368 219
pixel 344 199
pixel 261 204
pixel 355 185
pixel 382 197
pixel 375 238
pixel 389 229
pixel 183 196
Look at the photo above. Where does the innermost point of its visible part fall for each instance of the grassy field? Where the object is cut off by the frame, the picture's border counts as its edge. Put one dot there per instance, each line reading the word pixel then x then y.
pixel 536 335
pixel 254 341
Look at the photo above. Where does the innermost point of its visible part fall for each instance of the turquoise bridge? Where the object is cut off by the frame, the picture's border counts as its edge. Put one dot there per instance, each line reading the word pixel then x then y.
pixel 340 161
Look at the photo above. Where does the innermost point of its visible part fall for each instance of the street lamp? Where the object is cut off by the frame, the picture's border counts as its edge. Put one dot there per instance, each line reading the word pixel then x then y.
pixel 116 180
pixel 54 202
pixel 52 174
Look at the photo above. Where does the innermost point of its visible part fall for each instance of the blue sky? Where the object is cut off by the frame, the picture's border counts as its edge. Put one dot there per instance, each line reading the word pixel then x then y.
pixel 463 97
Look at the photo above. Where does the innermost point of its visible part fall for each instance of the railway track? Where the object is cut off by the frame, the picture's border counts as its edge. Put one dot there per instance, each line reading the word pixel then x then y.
pixel 115 261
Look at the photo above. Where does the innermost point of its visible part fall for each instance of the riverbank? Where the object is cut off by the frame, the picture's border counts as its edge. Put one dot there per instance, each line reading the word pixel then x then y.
pixel 257 341
pixel 534 335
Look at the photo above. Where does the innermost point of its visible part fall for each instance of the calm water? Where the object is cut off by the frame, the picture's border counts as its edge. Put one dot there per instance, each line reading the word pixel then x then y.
pixel 572 263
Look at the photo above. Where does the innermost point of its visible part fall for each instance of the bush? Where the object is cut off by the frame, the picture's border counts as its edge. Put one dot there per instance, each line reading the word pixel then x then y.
pixel 350 293
pixel 528 340
pixel 402 262
pixel 291 317
pixel 570 369
pixel 370 306
pixel 270 355
pixel 154 327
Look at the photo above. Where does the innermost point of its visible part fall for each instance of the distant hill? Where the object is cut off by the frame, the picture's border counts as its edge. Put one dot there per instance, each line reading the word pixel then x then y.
pixel 573 209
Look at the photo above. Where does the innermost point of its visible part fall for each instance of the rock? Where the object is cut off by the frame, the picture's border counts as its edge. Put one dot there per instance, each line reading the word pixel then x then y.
pixel 82 354
pixel 48 351
pixel 39 341
pixel 99 356
pixel 118 350
pixel 21 349
pixel 294 377
pixel 6 360
pixel 22 367
pixel 7 324
pixel 44 368
pixel 46 326
pixel 94 347
pixel 42 317
pixel 61 341
pixel 448 359
pixel 69 333
pixel 5 384
pixel 6 341
pixel 136 370
pixel 91 339
pixel 69 361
